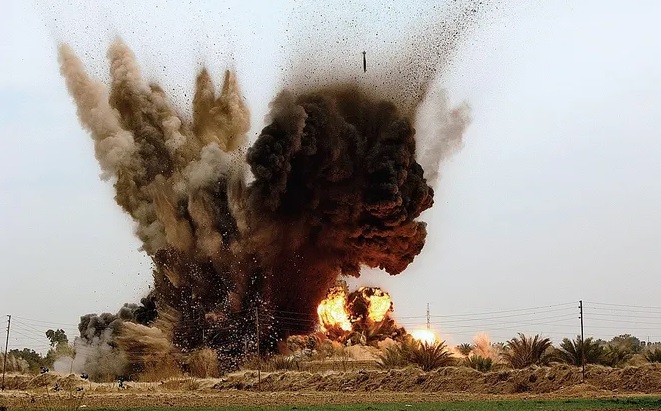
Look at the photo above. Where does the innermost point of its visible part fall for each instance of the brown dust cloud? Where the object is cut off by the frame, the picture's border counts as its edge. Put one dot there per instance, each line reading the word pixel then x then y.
pixel 333 183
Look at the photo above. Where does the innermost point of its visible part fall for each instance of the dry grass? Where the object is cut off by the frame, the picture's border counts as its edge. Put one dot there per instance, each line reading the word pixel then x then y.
pixel 204 363
pixel 164 369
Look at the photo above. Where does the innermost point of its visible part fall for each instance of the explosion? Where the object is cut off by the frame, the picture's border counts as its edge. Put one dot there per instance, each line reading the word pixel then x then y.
pixel 332 310
pixel 239 232
pixel 366 305
pixel 424 336
pixel 360 317
pixel 379 303
pixel 336 187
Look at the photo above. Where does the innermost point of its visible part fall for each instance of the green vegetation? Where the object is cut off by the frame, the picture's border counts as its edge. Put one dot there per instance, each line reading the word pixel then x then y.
pixel 525 351
pixel 626 342
pixel 57 337
pixel 483 364
pixel 33 359
pixel 465 349
pixel 570 351
pixel 392 357
pixel 431 356
pixel 410 352
pixel 653 355
pixel 311 352
pixel 509 405
pixel 28 360
pixel 616 356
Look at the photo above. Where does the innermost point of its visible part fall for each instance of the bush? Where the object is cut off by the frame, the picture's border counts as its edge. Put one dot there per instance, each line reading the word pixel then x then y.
pixel 280 363
pixel 203 363
pixel 465 349
pixel 393 357
pixel 477 362
pixel 627 342
pixel 653 355
pixel 525 351
pixel 14 363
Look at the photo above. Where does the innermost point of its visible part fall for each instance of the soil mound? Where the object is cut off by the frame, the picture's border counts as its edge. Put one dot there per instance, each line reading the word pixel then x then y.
pixel 534 380
pixel 69 382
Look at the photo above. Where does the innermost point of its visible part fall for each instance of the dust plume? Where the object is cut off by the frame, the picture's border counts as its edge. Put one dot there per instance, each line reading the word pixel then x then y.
pixel 331 184
pixel 482 346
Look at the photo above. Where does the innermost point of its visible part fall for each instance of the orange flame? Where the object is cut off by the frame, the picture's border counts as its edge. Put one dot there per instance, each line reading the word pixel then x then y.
pixel 379 303
pixel 332 310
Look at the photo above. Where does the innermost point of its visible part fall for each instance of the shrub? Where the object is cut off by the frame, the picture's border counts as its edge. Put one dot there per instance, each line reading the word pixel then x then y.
pixel 465 349
pixel 393 357
pixel 477 362
pixel 653 355
pixel 627 342
pixel 203 363
pixel 280 362
pixel 525 351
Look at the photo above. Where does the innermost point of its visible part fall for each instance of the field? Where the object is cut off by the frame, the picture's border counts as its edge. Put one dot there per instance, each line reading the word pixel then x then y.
pixel 559 387
pixel 507 405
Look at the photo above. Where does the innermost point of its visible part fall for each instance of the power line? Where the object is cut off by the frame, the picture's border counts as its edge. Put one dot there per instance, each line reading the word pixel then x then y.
pixel 45 322
pixel 624 305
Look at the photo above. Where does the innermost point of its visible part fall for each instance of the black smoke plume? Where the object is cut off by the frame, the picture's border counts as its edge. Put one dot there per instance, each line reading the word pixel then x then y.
pixel 335 173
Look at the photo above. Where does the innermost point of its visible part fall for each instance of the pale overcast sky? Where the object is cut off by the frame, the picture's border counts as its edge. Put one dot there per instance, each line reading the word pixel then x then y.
pixel 555 196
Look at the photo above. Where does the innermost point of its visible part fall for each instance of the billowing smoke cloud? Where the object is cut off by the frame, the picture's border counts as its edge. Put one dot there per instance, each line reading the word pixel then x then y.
pixel 102 350
pixel 336 179
pixel 335 186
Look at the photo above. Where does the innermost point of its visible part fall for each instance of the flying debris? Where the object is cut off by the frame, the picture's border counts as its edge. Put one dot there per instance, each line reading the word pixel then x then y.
pixel 335 187
pixel 246 238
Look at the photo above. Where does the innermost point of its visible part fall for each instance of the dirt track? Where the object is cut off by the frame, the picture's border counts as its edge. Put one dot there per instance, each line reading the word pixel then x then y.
pixel 370 386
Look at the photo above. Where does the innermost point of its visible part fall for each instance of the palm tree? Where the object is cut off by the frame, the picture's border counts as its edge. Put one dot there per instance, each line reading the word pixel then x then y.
pixel 431 356
pixel 479 363
pixel 571 351
pixel 616 355
pixel 426 356
pixel 393 357
pixel 524 351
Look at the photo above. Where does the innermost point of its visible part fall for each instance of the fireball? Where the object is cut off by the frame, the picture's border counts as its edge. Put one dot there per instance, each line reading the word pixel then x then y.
pixel 379 303
pixel 424 336
pixel 363 311
pixel 332 310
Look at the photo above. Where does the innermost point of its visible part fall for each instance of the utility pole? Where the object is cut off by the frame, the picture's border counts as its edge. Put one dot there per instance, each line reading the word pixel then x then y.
pixel 580 307
pixel 259 359
pixel 428 318
pixel 4 364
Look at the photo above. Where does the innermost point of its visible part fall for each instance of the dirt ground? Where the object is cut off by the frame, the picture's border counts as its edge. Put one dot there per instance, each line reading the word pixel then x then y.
pixel 408 385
